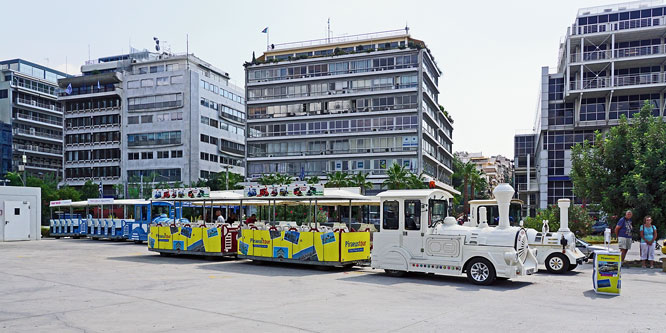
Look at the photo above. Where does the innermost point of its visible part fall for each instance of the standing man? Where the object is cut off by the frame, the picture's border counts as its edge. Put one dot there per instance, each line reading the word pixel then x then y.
pixel 623 232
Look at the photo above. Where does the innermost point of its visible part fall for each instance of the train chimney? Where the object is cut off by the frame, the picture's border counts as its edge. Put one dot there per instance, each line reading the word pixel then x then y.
pixel 483 218
pixel 564 214
pixel 503 194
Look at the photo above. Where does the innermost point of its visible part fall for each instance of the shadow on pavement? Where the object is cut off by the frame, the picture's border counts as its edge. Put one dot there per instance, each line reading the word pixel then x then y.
pixel 460 282
pixel 271 268
pixel 591 294
pixel 161 260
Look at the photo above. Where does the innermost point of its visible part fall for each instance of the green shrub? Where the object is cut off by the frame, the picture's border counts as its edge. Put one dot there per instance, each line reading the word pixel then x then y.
pixel 46 232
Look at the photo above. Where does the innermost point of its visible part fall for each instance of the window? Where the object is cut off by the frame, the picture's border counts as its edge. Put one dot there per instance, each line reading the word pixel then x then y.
pixel 412 214
pixel 146 119
pixel 163 81
pixel 147 155
pixel 143 70
pixel 17 211
pixel 176 153
pixel 390 215
pixel 176 79
pixel 156 69
pixel 133 120
pixel 163 154
pixel 132 156
pixel 172 67
pixel 146 83
pixel 438 211
pixel 133 84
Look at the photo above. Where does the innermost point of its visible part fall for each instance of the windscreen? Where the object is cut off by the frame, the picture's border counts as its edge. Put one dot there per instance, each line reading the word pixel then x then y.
pixel 438 211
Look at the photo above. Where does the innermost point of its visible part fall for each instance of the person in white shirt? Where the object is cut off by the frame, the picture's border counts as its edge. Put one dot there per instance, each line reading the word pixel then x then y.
pixel 220 218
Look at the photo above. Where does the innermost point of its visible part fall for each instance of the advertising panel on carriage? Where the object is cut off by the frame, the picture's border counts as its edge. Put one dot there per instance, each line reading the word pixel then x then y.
pixel 181 193
pixel 296 189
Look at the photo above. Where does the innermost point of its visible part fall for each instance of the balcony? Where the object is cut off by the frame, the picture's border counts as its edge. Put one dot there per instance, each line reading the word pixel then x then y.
pixel 328 152
pixel 93 110
pixel 87 90
pixel 36 134
pixel 41 106
pixel 619 81
pixel 620 25
pixel 618 54
pixel 342 91
pixel 343 110
pixel 37 149
pixel 39 120
pixel 53 93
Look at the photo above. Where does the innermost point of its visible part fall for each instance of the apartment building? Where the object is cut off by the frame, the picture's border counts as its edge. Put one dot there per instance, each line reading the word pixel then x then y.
pixel 353 104
pixel 149 117
pixel 495 169
pixel 611 61
pixel 31 118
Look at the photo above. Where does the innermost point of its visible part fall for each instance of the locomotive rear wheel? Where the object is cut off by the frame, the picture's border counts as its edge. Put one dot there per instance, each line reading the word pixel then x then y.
pixel 557 263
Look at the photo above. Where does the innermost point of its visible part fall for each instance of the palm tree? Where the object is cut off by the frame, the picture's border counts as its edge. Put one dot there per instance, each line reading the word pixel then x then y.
pixel 312 180
pixel 337 179
pixel 269 179
pixel 360 180
pixel 283 179
pixel 397 177
pixel 415 181
pixel 468 172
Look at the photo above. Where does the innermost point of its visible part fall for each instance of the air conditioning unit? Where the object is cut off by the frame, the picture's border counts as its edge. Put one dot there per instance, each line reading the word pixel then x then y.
pixel 32 131
pixel 270 155
pixel 33 102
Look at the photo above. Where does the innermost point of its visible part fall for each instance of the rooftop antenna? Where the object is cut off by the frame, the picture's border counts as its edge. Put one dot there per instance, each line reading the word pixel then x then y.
pixel 406 28
pixel 328 31
pixel 157 44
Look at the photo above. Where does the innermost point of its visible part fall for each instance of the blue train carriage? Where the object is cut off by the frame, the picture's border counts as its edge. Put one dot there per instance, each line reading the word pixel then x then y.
pixel 68 219
pixel 145 213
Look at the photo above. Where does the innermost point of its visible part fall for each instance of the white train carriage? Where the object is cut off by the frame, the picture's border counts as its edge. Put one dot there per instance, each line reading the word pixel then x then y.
pixel 416 235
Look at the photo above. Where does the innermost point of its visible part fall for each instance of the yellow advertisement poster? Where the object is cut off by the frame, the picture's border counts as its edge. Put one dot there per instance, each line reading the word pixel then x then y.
pixel 607 273
pixel 355 246
pixel 212 239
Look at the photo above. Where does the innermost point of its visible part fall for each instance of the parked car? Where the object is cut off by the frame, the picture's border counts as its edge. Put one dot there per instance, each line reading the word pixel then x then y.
pixel 598 227
pixel 587 248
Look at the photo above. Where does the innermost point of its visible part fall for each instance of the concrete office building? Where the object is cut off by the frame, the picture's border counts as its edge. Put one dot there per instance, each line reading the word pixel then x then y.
pixel 173 118
pixel 352 104
pixel 611 61
pixel 30 118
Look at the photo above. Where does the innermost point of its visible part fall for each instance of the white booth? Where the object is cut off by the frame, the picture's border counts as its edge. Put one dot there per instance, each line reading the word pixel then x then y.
pixel 20 213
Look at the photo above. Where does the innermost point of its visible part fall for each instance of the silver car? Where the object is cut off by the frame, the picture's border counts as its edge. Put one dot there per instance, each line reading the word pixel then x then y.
pixel 588 249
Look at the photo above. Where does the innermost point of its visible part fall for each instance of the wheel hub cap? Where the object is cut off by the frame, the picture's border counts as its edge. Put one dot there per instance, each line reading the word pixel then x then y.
pixel 556 263
pixel 479 271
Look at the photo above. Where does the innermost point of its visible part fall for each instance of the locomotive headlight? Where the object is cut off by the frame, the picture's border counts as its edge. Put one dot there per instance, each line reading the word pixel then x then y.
pixel 511 258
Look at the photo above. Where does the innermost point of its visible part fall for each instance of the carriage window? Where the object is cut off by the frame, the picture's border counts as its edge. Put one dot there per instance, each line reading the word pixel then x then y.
pixel 390 215
pixel 438 211
pixel 412 214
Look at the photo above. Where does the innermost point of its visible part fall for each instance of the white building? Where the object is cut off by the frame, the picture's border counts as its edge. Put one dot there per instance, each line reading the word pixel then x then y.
pixel 20 213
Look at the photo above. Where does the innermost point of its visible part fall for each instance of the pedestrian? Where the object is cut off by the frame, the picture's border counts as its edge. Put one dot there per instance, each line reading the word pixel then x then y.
pixel 623 232
pixel 648 238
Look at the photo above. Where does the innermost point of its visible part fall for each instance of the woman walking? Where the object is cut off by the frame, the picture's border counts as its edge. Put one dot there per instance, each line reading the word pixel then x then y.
pixel 648 238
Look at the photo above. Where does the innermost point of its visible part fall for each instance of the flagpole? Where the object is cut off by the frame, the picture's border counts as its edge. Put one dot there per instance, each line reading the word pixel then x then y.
pixel 267 40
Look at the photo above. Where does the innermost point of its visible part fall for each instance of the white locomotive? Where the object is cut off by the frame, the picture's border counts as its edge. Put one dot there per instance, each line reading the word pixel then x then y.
pixel 416 235
pixel 556 250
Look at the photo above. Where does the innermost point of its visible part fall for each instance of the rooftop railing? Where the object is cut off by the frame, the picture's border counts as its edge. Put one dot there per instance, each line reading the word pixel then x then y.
pixel 339 39
pixel 626 52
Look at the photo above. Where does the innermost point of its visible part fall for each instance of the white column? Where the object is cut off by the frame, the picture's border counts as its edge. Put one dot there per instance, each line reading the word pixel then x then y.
pixel 564 214
pixel 503 194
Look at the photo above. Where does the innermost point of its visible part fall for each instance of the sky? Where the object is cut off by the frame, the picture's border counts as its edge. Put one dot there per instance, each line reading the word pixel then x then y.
pixel 490 52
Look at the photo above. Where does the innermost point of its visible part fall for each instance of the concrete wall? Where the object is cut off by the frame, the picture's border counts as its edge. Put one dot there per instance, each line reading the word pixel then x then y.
pixel 31 195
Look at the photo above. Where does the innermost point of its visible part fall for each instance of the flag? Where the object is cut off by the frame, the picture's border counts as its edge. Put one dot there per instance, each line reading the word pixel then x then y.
pixel 69 89
pixel 265 30
pixel 98 86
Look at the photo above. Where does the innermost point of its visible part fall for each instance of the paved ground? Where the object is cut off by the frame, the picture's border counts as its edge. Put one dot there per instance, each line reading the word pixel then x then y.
pixel 95 286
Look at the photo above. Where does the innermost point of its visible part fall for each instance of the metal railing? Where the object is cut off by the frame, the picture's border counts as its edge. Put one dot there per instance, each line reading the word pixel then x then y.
pixel 618 81
pixel 334 73
pixel 37 133
pixel 625 52
pixel 336 92
pixel 258 115
pixel 334 152
pixel 37 149
pixel 618 25
pixel 30 102
pixel 105 109
pixel 38 119
pixel 340 39
pixel 53 93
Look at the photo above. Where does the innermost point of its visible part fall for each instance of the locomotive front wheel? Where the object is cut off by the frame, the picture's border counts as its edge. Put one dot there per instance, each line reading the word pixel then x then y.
pixel 557 263
pixel 481 271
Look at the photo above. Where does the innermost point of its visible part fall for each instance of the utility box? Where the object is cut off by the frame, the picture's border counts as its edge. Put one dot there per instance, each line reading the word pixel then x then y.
pixel 20 213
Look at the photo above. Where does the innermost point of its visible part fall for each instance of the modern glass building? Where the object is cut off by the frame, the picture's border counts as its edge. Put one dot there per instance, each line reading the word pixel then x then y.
pixel 148 117
pixel 352 104
pixel 612 60
pixel 31 119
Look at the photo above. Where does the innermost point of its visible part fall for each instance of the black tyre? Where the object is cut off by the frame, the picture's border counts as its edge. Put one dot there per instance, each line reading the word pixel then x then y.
pixel 557 263
pixel 394 272
pixel 572 267
pixel 481 271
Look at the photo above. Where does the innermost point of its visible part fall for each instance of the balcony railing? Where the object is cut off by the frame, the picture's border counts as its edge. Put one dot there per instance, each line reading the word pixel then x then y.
pixel 82 91
pixel 31 102
pixel 335 92
pixel 618 81
pixel 105 109
pixel 333 152
pixel 38 119
pixel 18 131
pixel 627 52
pixel 347 71
pixel 618 25
pixel 261 115
pixel 53 92
pixel 37 149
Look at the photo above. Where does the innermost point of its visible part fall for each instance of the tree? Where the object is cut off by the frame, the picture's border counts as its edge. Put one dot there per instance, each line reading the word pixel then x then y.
pixel 396 177
pixel 89 190
pixel 283 179
pixel 218 182
pixel 337 179
pixel 625 168
pixel 415 181
pixel 68 193
pixel 360 180
pixel 269 179
pixel 312 180
pixel 14 179
pixel 468 171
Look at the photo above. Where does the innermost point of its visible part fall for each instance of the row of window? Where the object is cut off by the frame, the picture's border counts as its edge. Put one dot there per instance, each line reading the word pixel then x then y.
pixel 231 128
pixel 160 81
pixel 92 103
pixel 221 91
pixel 149 139
pixel 159 175
pixel 155 102
pixel 382 144
pixel 337 68
pixel 34 85
pixel 156 68
pixel 209 139
pixel 439 116
pixel 95 172
pixel 148 155
pixel 111 119
pixel 93 138
pixel 158 118
pixel 627 15
pixel 336 126
pixel 334 87
pixel 225 111
pixel 319 168
pixel 95 155
pixel 335 106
